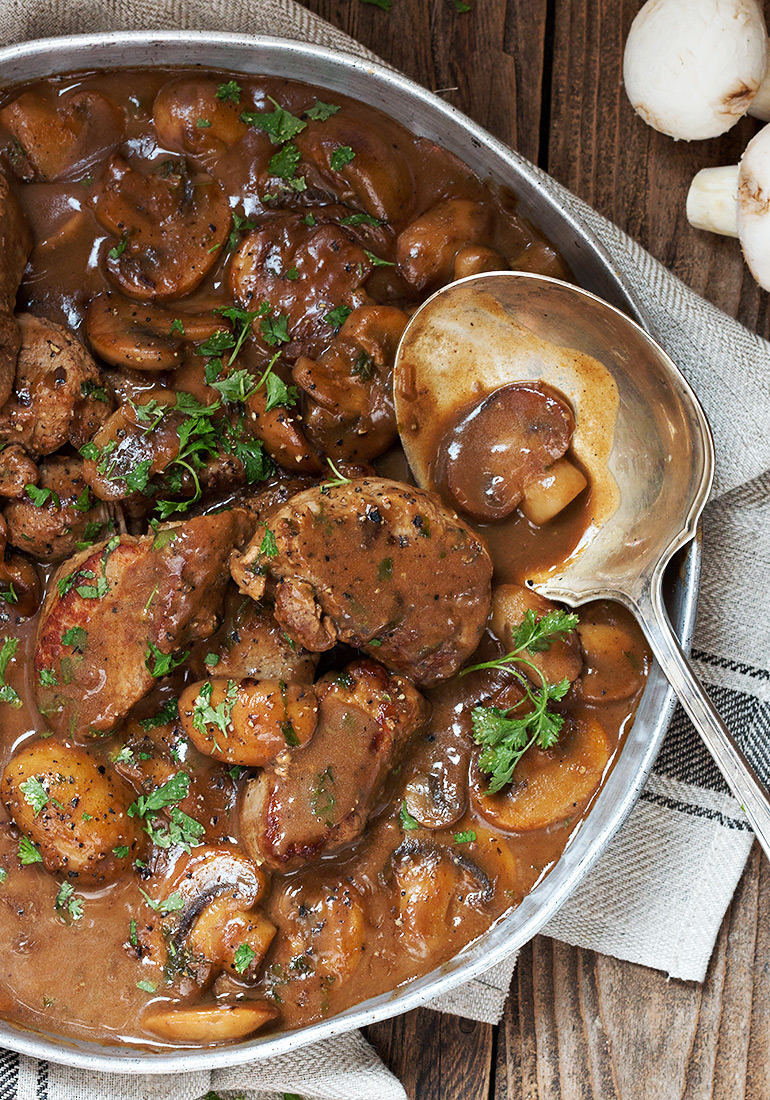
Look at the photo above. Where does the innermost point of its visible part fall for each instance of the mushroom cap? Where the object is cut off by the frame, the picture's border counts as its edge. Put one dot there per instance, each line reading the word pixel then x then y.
pixel 754 206
pixel 692 67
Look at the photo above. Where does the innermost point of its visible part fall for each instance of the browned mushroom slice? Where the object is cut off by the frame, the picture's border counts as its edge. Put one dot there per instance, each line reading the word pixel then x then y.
pixel 617 658
pixel 350 386
pixel 497 446
pixel 59 393
pixel 282 433
pixel 169 224
pixel 549 785
pixel 320 798
pixel 16 240
pixel 437 889
pixel 189 117
pixel 144 336
pixel 248 722
pixel 426 249
pixel 312 276
pixel 510 604
pixel 83 821
pixel 115 614
pixel 377 564
pixel 366 165
pixel 209 1023
pixel 50 521
pixel 59 135
pixel 208 920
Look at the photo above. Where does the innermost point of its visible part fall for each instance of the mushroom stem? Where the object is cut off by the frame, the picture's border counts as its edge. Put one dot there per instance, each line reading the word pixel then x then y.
pixel 712 201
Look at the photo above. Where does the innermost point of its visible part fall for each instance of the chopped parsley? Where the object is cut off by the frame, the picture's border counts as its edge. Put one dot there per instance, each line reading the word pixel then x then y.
pixel 39 497
pixel 47 678
pixel 146 987
pixel 319 112
pixel 28 853
pixel 341 156
pixel 466 837
pixel 205 715
pixel 338 316
pixel 161 664
pixel 169 712
pixel 116 252
pixel 280 125
pixel 35 794
pixel 229 92
pixel 407 821
pixel 172 904
pixel 243 957
pixel 173 790
pixel 7 693
pixel 268 546
pixel 68 903
pixel 76 636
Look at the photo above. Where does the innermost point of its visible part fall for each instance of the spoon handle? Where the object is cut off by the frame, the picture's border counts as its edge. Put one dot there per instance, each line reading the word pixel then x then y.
pixel 739 774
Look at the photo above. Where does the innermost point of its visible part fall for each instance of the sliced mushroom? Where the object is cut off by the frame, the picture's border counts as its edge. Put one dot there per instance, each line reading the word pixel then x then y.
pixel 189 117
pixel 83 820
pixel 209 1023
pixel 476 258
pixel 435 887
pixel 562 660
pixel 170 226
pixel 60 136
pixel 427 249
pixel 437 798
pixel 144 336
pixel 208 914
pixel 349 387
pixel 617 658
pixel 248 722
pixel 549 785
pixel 495 448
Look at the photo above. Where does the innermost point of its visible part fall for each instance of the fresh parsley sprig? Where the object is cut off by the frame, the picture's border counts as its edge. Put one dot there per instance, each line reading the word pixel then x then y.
pixel 505 735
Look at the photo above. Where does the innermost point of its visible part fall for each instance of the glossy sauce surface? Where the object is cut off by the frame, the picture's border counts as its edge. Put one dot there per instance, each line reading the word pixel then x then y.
pixel 401 898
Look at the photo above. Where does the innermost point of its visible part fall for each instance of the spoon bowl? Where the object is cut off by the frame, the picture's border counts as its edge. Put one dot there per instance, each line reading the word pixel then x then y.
pixel 645 443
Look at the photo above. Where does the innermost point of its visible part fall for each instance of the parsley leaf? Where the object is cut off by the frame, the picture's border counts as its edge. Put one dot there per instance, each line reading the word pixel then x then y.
pixel 269 547
pixel 116 252
pixel 320 111
pixel 174 903
pixel 280 125
pixel 75 636
pixel 231 91
pixel 35 794
pixel 376 261
pixel 161 664
pixel 47 677
pixel 407 821
pixel 182 831
pixel 337 317
pixel 341 156
pixel 360 219
pixel 466 837
pixel 67 901
pixel 7 693
pixel 205 715
pixel 40 496
pixel 167 713
pixel 146 987
pixel 505 735
pixel 28 853
pixel 285 162
pixel 238 386
pixel 173 790
pixel 244 955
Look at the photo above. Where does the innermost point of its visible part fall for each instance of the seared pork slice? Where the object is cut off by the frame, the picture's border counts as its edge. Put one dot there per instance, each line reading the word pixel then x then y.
pixel 314 800
pixel 59 395
pixel 380 565
pixel 116 611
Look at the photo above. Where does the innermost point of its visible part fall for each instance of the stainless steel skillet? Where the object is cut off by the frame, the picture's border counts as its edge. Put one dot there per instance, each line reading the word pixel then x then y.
pixel 429 116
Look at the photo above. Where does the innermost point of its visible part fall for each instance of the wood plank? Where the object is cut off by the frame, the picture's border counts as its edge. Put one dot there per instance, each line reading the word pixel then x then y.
pixel 546 76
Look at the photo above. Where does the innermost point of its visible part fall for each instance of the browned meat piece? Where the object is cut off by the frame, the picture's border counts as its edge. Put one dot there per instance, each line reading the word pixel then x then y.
pixel 170 225
pixel 17 471
pixel 274 492
pixel 66 515
pixel 143 336
pixel 59 395
pixel 327 271
pixel 250 643
pixel 60 135
pixel 377 175
pixel 15 247
pixel 427 248
pixel 115 611
pixel 379 565
pixel 350 386
pixel 320 797
pixel 180 107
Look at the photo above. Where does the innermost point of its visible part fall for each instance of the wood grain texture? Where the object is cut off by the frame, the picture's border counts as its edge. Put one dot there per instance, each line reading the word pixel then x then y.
pixel 546 76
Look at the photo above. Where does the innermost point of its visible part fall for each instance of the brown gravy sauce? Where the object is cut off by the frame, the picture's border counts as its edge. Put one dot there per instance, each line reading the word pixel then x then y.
pixel 79 978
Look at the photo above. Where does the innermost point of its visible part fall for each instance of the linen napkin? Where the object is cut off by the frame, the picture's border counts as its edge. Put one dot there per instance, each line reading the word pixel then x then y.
pixel 659 893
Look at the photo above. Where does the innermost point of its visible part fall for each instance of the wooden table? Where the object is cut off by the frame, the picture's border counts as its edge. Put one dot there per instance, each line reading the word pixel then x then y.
pixel 545 76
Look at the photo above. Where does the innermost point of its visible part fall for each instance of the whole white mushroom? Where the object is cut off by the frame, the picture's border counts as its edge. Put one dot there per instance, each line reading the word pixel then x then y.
pixel 735 201
pixel 693 68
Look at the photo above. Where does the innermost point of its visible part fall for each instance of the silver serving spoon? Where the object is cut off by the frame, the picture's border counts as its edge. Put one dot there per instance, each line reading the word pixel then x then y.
pixel 647 436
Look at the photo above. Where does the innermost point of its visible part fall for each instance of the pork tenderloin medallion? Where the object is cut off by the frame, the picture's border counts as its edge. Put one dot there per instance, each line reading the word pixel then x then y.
pixel 318 798
pixel 117 610
pixel 380 565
